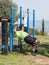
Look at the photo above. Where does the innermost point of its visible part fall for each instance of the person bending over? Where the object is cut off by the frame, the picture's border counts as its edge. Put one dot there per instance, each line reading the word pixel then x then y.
pixel 28 39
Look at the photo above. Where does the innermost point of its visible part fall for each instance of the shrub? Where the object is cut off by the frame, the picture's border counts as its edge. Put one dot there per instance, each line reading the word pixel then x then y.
pixel 37 32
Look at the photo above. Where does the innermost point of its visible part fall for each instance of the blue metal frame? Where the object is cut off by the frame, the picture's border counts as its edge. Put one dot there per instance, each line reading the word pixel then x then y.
pixel 10 38
pixel 28 20
pixel 11 29
pixel 33 32
pixel 20 44
pixel 20 16
pixel 19 40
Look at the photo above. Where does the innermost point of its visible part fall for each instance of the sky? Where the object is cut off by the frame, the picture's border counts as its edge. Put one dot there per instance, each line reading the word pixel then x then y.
pixel 41 8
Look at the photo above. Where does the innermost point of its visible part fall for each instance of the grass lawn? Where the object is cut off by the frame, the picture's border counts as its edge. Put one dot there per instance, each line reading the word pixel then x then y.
pixel 25 57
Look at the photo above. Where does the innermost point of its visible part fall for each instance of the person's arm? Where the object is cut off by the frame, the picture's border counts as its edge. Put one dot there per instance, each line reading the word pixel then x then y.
pixel 15 30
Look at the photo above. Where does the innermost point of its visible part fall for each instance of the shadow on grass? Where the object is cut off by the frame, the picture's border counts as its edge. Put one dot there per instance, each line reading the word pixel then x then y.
pixel 16 49
pixel 44 49
pixel 25 49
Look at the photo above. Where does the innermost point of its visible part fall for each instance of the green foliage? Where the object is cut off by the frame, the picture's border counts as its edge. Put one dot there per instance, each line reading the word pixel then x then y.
pixel 37 32
pixel 5 9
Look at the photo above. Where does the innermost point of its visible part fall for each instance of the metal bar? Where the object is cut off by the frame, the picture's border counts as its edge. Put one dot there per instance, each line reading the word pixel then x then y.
pixel 33 24
pixel 20 16
pixel 20 44
pixel 28 20
pixel 11 39
pixel 11 28
pixel 19 40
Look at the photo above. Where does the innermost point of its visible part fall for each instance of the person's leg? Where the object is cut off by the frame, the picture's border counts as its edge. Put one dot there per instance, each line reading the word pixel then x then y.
pixel 34 42
pixel 35 47
pixel 33 51
pixel 30 40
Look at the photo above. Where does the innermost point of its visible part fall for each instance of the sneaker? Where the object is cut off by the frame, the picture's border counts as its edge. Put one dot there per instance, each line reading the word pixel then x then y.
pixel 33 53
pixel 36 51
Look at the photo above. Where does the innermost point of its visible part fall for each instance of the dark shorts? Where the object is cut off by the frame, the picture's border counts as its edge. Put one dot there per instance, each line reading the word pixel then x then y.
pixel 30 40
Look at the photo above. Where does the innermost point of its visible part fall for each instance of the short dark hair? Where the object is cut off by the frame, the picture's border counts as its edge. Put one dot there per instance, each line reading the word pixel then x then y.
pixel 19 27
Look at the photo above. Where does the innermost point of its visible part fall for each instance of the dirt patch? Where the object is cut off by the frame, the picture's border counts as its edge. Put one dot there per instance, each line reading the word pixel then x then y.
pixel 43 61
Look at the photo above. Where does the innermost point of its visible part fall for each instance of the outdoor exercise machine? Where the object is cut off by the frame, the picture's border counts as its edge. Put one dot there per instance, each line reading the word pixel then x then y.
pixel 4 35
pixel 4 22
pixel 5 30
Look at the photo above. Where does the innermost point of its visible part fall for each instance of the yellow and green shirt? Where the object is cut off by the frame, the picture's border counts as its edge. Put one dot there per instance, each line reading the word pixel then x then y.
pixel 21 34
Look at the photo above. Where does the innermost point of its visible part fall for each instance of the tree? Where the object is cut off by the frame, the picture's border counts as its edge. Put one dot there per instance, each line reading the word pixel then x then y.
pixel 42 32
pixel 5 9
